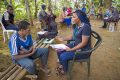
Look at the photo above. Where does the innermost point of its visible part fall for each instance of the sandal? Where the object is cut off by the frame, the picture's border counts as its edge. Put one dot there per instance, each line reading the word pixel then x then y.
pixel 60 71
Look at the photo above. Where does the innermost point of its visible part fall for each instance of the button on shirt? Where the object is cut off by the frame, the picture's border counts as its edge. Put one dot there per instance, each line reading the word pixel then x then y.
pixel 78 32
pixel 16 43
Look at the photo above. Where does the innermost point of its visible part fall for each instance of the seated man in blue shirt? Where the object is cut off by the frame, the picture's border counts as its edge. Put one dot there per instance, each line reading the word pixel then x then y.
pixel 22 50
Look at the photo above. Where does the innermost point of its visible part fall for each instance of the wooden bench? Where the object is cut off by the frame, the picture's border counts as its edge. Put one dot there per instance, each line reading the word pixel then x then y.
pixel 15 72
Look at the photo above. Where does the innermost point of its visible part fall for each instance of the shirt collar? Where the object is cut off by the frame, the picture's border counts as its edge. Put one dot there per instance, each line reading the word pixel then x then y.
pixel 82 24
pixel 21 38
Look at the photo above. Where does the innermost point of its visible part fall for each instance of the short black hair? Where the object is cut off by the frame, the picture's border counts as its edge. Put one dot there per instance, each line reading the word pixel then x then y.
pixel 23 25
pixel 9 6
pixel 43 6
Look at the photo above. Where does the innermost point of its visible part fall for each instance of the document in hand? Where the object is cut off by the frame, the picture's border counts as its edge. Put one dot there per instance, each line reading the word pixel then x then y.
pixel 48 41
pixel 59 46
pixel 41 32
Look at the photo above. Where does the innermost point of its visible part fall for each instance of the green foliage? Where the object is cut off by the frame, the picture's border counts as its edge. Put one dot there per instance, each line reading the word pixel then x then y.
pixel 20 10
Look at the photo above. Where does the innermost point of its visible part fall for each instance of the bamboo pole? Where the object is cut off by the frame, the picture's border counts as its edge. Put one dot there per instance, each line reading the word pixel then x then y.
pixel 10 73
pixel 21 74
pixel 15 73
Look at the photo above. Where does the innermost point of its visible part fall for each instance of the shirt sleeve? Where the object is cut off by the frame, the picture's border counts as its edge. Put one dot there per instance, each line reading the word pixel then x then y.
pixel 29 40
pixel 86 31
pixel 14 46
pixel 6 16
pixel 40 16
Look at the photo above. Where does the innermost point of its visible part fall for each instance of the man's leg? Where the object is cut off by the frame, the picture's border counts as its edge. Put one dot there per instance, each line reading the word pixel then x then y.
pixel 42 53
pixel 12 27
pixel 28 64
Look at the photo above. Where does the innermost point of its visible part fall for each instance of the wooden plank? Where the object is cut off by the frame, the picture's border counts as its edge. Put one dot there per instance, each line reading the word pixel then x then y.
pixel 10 73
pixel 47 46
pixel 21 74
pixel 6 71
pixel 39 45
pixel 32 77
pixel 15 73
pixel 39 42
pixel 42 46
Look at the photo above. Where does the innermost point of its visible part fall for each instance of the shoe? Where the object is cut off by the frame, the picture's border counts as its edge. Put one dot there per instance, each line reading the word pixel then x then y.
pixel 47 71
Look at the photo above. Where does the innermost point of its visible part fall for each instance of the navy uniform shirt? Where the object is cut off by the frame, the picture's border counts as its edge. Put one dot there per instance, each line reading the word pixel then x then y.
pixel 78 32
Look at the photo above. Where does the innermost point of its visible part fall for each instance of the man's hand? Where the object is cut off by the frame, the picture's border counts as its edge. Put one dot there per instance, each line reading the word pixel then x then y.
pixel 33 51
pixel 23 51
pixel 46 33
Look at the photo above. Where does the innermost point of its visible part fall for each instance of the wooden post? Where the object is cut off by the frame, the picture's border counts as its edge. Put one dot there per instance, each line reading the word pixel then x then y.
pixel 28 11
pixel 10 2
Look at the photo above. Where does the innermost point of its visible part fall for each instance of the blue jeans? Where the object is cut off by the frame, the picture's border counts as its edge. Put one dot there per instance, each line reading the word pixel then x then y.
pixel 65 56
pixel 12 27
pixel 28 62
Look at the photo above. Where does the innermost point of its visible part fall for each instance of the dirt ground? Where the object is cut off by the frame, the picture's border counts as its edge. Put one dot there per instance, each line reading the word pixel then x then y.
pixel 105 61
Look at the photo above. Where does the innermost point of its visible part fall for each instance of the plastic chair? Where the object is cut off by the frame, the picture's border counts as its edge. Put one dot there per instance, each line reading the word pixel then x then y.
pixel 5 31
pixel 98 40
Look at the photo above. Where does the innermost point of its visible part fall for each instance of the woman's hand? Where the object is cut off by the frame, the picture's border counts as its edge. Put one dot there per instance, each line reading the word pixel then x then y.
pixel 68 49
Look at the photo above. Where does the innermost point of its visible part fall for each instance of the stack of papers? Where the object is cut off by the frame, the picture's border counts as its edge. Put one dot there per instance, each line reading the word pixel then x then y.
pixel 106 18
pixel 59 46
pixel 48 41
pixel 41 32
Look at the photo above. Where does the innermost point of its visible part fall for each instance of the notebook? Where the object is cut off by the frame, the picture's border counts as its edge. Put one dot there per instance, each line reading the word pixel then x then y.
pixel 41 32
pixel 48 41
pixel 59 46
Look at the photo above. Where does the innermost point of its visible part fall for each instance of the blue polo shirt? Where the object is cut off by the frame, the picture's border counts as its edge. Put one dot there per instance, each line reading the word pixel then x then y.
pixel 16 43
pixel 78 32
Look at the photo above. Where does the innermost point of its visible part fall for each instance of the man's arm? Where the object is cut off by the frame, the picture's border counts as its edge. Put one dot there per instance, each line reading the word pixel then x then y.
pixel 19 56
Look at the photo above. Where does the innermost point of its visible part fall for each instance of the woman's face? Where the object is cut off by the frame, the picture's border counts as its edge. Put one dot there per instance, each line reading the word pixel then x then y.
pixel 75 19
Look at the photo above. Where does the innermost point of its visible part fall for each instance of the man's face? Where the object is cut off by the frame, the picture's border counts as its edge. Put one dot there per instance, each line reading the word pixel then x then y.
pixel 26 32
pixel 10 10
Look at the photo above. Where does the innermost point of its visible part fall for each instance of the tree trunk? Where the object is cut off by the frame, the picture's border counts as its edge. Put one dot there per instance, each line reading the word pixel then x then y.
pixel 36 9
pixel 28 11
pixel 10 2
pixel 43 1
pixel 50 3
pixel 101 4
pixel 107 3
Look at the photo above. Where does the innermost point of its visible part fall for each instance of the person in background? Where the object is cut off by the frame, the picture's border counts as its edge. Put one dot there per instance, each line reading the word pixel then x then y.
pixel 69 11
pixel 100 13
pixel 8 19
pixel 76 6
pixel 43 17
pixel 52 26
pixel 83 8
pixel 92 10
pixel 81 41
pixel 64 18
pixel 23 51
pixel 111 15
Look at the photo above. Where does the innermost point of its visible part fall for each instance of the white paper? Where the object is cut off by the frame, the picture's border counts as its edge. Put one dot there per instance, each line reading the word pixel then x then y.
pixel 48 41
pixel 41 32
pixel 106 18
pixel 59 46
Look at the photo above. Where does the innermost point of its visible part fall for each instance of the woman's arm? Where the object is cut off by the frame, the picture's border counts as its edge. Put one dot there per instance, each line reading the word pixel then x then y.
pixel 80 45
pixel 65 38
